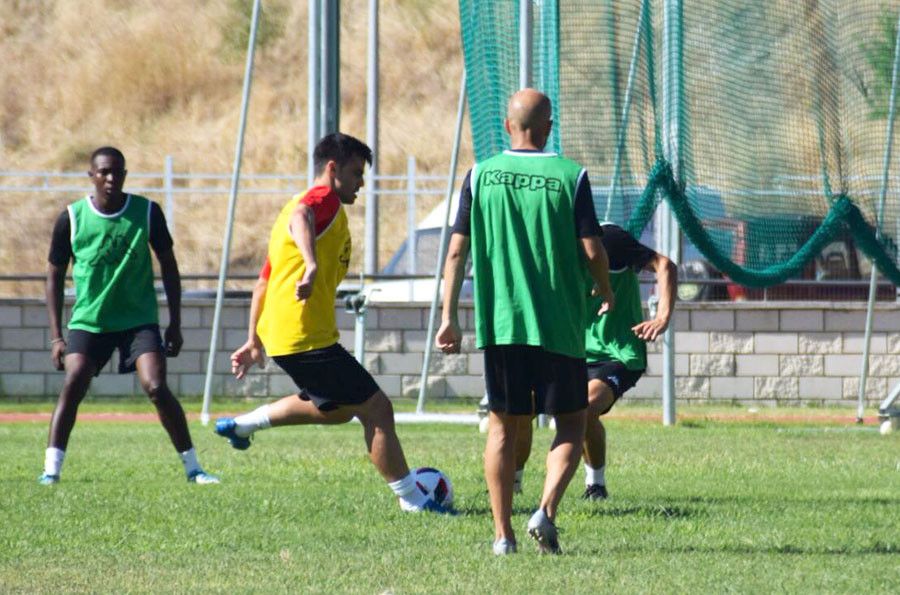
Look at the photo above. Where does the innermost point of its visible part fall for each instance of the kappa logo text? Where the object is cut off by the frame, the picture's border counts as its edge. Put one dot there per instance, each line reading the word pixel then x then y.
pixel 520 181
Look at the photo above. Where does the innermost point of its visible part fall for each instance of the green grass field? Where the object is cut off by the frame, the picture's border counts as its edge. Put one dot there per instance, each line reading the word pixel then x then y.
pixel 705 506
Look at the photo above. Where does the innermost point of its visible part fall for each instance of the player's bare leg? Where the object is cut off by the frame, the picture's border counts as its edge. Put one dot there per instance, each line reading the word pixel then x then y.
pixel 294 411
pixel 377 418
pixel 524 436
pixel 562 460
pixel 79 372
pixel 500 468
pixel 151 371
pixel 600 398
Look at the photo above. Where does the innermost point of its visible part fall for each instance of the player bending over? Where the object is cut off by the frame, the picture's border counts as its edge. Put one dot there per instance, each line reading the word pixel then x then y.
pixel 292 316
pixel 616 346
pixel 108 235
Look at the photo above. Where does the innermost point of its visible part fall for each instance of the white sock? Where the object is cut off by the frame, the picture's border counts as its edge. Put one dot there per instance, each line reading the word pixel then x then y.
pixel 53 460
pixel 258 419
pixel 411 497
pixel 594 476
pixel 517 484
pixel 189 458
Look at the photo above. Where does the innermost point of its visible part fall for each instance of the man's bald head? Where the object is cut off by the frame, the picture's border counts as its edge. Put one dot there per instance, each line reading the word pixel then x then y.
pixel 528 119
pixel 528 109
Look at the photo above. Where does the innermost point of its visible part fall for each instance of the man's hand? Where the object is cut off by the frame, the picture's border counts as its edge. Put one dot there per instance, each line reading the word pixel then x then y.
pixel 173 341
pixel 304 286
pixel 649 330
pixel 609 298
pixel 448 338
pixel 58 354
pixel 247 354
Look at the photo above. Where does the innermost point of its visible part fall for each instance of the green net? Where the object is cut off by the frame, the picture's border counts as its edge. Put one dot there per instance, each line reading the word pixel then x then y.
pixel 773 113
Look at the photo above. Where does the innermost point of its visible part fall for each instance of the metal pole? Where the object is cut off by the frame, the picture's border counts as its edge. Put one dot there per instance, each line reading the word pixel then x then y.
pixel 442 249
pixel 168 173
pixel 360 305
pixel 370 250
pixel 312 95
pixel 526 19
pixel 672 102
pixel 229 225
pixel 411 236
pixel 620 141
pixel 411 215
pixel 330 102
pixel 873 289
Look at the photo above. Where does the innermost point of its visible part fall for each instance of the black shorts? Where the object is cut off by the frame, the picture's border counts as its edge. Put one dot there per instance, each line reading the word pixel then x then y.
pixel 329 377
pixel 513 373
pixel 131 343
pixel 614 375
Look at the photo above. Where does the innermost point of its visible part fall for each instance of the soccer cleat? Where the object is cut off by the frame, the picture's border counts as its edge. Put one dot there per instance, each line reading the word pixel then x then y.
pixel 504 546
pixel 544 532
pixel 225 427
pixel 429 506
pixel 201 477
pixel 48 480
pixel 595 491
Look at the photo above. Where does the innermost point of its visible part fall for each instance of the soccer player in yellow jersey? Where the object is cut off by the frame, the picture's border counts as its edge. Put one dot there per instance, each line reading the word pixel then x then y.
pixel 292 316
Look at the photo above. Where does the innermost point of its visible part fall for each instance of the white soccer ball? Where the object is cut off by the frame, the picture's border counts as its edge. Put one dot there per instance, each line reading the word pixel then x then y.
pixel 435 485
pixel 886 427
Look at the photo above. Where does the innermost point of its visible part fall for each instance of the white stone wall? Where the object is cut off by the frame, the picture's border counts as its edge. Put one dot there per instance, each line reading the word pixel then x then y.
pixel 775 353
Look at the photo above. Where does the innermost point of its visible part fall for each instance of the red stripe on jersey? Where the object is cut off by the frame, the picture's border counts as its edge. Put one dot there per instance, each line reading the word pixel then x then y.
pixel 266 270
pixel 325 205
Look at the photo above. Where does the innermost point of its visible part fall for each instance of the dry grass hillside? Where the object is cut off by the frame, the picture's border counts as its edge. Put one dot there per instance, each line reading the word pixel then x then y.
pixel 163 77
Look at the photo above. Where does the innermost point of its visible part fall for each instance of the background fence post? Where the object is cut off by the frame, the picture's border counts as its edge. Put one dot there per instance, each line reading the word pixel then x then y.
pixel 411 214
pixel 168 173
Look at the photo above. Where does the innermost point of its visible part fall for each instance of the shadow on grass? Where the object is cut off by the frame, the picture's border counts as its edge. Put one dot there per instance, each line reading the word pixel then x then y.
pixel 649 511
pixel 782 500
pixel 877 548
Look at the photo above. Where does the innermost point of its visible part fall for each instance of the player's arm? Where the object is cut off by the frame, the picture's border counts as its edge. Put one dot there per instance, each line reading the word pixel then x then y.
pixel 251 352
pixel 56 280
pixel 171 279
pixel 162 244
pixel 666 286
pixel 598 266
pixel 303 232
pixel 449 337
pixel 58 262
pixel 589 234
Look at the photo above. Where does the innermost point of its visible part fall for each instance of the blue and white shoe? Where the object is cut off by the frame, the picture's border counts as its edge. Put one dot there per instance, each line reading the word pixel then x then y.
pixel 504 547
pixel 225 427
pixel 48 480
pixel 544 532
pixel 201 477
pixel 429 506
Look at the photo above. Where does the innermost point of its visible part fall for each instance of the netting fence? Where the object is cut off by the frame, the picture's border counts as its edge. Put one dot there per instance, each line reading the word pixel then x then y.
pixel 778 111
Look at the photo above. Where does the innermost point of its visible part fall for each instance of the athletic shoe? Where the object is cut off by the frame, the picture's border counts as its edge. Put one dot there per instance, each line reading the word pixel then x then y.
pixel 429 506
pixel 595 491
pixel 225 427
pixel 544 532
pixel 48 480
pixel 201 477
pixel 503 546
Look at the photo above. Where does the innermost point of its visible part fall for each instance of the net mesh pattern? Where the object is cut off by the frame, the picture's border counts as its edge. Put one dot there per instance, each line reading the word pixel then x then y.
pixel 772 115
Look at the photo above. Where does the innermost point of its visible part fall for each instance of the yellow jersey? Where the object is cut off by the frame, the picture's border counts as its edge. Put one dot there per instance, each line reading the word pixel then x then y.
pixel 286 325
